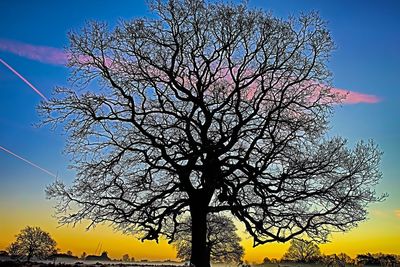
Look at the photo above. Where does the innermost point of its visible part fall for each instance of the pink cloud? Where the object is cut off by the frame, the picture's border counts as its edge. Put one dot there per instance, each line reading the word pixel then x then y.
pixel 345 96
pixel 44 54
pixel 397 213
pixel 56 56
pixel 351 97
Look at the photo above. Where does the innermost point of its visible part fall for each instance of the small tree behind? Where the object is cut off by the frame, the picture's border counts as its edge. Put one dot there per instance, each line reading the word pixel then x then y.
pixel 223 243
pixel 33 242
pixel 125 257
pixel 302 251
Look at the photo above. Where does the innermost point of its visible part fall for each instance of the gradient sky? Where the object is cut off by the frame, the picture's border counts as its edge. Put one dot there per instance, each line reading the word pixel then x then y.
pixel 32 36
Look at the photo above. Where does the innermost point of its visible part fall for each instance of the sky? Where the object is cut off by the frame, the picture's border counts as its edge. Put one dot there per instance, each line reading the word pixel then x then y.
pixel 33 35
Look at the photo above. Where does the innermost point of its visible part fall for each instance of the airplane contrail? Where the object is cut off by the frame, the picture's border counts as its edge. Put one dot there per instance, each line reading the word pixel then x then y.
pixel 27 161
pixel 23 79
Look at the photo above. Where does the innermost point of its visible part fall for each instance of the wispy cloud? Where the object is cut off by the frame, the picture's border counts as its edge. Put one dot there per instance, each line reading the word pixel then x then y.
pixel 23 79
pixel 44 54
pixel 351 97
pixel 27 161
pixel 56 56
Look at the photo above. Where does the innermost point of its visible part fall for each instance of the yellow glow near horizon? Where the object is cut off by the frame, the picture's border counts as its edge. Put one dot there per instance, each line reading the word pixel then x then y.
pixel 77 239
pixel 379 234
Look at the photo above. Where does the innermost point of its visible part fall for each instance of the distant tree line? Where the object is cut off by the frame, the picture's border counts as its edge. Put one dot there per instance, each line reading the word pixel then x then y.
pixel 32 243
pixel 303 251
pixel 378 259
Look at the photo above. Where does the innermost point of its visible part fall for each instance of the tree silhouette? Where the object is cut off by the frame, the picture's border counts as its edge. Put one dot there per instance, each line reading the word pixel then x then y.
pixel 387 260
pixel 345 259
pixel 33 242
pixel 377 259
pixel 223 244
pixel 266 260
pixel 125 257
pixel 339 260
pixel 302 251
pixel 208 108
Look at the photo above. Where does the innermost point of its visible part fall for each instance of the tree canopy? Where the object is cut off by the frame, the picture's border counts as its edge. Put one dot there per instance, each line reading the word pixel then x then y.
pixel 33 242
pixel 208 108
pixel 302 251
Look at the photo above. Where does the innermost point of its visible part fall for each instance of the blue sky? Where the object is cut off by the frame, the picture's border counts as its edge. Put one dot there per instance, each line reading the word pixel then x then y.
pixel 366 33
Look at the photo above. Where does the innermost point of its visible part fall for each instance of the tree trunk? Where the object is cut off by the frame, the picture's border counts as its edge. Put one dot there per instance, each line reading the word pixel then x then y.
pixel 30 253
pixel 200 256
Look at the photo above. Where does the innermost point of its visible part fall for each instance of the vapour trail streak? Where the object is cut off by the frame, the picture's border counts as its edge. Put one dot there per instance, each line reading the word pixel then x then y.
pixel 23 79
pixel 27 161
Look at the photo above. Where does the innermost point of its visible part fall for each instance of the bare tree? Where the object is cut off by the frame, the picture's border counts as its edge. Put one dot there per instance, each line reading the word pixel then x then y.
pixel 302 251
pixel 125 257
pixel 223 244
pixel 208 108
pixel 33 242
pixel 339 260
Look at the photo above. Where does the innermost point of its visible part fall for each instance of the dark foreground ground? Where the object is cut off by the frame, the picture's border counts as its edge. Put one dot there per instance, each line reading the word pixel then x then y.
pixel 39 264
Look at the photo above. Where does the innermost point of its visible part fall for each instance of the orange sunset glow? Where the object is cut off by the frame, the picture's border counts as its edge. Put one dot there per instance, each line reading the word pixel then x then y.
pixel 371 236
